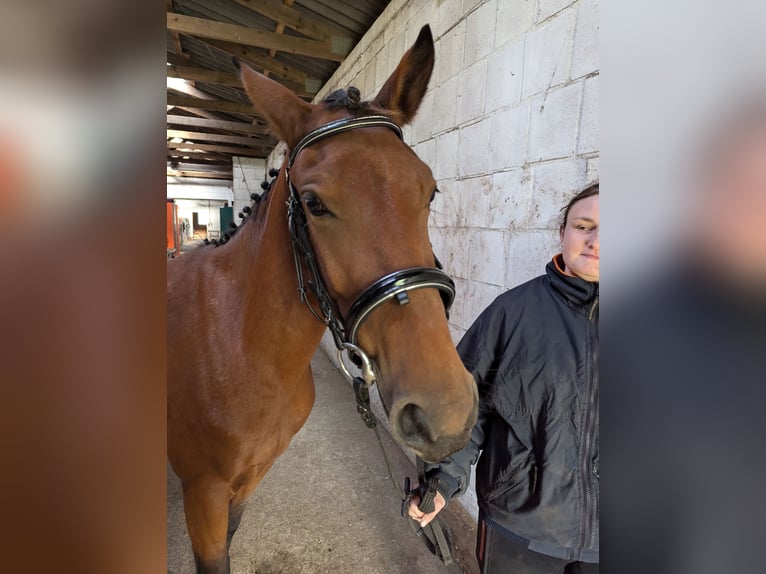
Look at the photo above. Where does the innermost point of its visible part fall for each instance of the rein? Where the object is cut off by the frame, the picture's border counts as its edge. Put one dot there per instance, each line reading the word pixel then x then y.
pixel 345 331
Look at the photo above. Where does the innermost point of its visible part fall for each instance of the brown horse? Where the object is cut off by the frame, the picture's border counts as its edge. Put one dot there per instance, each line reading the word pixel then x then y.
pixel 240 340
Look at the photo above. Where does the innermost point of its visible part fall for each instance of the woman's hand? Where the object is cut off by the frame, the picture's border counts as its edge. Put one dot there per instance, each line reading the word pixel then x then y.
pixel 424 519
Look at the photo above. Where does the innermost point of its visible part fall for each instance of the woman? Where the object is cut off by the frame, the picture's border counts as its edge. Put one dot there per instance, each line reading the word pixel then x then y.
pixel 533 353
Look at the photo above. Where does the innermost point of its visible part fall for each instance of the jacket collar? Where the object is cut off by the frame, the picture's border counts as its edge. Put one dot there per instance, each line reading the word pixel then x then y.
pixel 577 293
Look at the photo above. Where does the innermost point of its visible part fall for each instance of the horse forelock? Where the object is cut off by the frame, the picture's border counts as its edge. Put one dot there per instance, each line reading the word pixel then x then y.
pixel 350 99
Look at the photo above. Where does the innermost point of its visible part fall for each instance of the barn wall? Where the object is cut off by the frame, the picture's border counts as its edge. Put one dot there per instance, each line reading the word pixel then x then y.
pixel 509 127
pixel 247 175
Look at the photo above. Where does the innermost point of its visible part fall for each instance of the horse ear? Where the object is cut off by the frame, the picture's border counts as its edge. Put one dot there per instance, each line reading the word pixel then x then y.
pixel 285 112
pixel 404 90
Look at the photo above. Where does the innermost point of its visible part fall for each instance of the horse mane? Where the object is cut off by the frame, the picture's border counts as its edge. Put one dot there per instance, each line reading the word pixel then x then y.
pixel 247 211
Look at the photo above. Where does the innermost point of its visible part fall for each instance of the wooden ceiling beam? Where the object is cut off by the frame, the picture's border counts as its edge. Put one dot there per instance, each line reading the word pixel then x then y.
pixel 205 174
pixel 283 13
pixel 204 75
pixel 214 105
pixel 242 127
pixel 261 60
pixel 251 37
pixel 206 137
pixel 196 155
pixel 196 166
pixel 245 152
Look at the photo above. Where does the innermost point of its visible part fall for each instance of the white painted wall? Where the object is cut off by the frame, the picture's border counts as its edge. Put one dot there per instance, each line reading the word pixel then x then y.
pixel 509 126
pixel 248 173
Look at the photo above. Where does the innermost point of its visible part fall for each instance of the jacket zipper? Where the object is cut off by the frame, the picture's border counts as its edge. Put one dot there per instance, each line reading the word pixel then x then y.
pixel 588 432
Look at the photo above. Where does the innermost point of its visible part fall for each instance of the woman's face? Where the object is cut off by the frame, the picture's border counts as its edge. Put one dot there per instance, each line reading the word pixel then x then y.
pixel 579 239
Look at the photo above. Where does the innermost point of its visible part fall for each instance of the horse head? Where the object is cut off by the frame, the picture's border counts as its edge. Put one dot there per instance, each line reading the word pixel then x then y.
pixel 366 197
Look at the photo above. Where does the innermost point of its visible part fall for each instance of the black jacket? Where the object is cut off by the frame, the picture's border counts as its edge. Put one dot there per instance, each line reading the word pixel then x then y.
pixel 533 353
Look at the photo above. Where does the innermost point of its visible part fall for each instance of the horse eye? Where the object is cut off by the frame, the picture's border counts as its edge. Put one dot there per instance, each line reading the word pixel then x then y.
pixel 433 194
pixel 314 204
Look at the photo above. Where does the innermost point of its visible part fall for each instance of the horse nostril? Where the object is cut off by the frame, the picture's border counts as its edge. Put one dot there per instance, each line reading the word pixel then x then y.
pixel 413 423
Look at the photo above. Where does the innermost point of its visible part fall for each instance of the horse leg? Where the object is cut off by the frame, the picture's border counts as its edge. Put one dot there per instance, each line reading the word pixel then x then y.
pixel 206 505
pixel 247 483
pixel 236 510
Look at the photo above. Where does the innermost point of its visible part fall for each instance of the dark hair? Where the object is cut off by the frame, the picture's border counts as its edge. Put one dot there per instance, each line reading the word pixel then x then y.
pixel 589 191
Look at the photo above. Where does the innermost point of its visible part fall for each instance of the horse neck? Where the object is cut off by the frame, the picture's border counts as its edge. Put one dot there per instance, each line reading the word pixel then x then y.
pixel 273 314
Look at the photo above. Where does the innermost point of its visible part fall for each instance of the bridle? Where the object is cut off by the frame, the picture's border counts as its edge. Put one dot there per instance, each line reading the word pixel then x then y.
pixel 396 285
pixel 345 331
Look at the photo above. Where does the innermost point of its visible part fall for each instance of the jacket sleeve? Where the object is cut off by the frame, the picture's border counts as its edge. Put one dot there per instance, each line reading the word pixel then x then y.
pixel 478 350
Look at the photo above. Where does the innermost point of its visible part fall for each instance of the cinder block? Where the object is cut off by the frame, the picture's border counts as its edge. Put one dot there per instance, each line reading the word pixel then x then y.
pixel 449 53
pixel 470 97
pixel 421 126
pixel 449 14
pixel 528 254
pixel 488 256
pixel 425 151
pixel 383 68
pixel 547 8
pixel 514 19
pixel 454 252
pixel 445 155
pixel 508 137
pixel 548 53
pixel 480 32
pixel 553 184
pixel 446 208
pixel 588 136
pixel 473 153
pixel 591 171
pixel 422 13
pixel 511 199
pixel 478 297
pixel 553 123
pixel 504 75
pixel 445 105
pixel 585 54
pixel 476 200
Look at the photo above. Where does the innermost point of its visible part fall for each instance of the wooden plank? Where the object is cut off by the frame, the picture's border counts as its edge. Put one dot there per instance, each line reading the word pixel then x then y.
pixel 215 105
pixel 205 174
pixel 243 151
pixel 284 14
pixel 243 127
pixel 194 155
pixel 262 60
pixel 194 166
pixel 251 37
pixel 204 75
pixel 205 137
pixel 232 80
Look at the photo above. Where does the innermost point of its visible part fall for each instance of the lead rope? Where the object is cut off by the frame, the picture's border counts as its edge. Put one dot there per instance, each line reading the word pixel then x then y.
pixel 434 535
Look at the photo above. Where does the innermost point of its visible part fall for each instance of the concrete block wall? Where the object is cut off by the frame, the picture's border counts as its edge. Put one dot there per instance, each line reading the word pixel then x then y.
pixel 509 127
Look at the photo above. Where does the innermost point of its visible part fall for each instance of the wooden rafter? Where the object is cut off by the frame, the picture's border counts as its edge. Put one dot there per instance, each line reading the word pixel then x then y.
pixel 261 60
pixel 206 137
pixel 204 174
pixel 242 35
pixel 283 13
pixel 242 127
pixel 243 151
pixel 215 105
pixel 203 75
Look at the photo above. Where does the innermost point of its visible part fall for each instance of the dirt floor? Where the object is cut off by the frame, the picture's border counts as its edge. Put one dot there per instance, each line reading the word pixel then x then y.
pixel 327 505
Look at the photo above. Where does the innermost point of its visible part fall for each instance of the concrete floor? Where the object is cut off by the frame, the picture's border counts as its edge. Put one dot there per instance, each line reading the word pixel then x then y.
pixel 327 505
